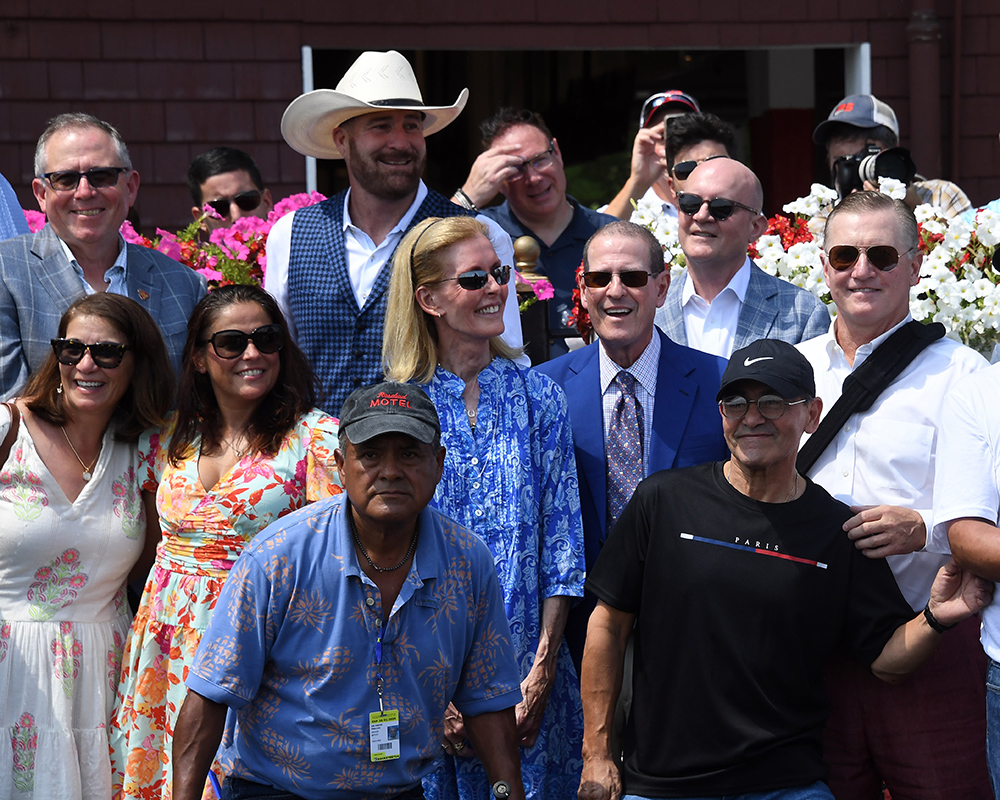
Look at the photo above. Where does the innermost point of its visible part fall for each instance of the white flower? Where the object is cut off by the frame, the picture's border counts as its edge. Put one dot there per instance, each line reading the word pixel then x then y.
pixel 925 212
pixel 988 227
pixel 958 234
pixel 890 186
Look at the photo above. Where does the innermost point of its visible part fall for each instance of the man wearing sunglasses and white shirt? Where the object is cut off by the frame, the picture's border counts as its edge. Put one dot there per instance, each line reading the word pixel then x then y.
pixel 723 301
pixel 926 737
pixel 523 162
pixel 229 182
pixel 85 185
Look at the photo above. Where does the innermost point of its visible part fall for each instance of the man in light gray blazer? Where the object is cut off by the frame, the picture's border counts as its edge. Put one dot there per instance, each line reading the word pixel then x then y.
pixel 85 185
pixel 723 301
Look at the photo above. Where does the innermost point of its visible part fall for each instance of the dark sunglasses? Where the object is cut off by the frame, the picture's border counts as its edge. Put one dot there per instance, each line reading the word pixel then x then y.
pixel 107 355
pixel 683 169
pixel 245 201
pixel 231 344
pixel 883 257
pixel 721 208
pixel 770 406
pixel 68 179
pixel 477 278
pixel 633 279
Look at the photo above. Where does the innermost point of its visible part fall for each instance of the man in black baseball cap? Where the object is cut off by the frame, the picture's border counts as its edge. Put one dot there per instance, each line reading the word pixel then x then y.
pixel 372 595
pixel 739 584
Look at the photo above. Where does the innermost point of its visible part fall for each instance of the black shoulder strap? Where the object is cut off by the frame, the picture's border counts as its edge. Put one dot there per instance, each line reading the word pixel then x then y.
pixel 8 440
pixel 863 386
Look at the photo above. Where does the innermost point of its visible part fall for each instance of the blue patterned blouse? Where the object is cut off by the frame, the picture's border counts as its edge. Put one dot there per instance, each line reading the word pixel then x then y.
pixel 513 481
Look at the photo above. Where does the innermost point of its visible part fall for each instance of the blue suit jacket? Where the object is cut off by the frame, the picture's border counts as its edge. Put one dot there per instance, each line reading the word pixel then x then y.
pixel 773 309
pixel 687 430
pixel 37 284
pixel 687 427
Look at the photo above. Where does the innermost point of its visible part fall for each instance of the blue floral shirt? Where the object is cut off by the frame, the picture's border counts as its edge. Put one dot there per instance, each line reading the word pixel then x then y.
pixel 513 481
pixel 292 648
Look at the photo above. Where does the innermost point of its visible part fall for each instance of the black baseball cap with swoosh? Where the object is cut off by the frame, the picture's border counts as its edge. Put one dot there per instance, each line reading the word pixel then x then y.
pixel 774 363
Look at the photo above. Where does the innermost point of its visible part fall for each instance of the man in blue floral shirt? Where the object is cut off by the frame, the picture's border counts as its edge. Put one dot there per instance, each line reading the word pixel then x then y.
pixel 345 630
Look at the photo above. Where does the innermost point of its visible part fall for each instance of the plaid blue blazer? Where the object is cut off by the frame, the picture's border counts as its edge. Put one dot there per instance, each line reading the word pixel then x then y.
pixel 342 342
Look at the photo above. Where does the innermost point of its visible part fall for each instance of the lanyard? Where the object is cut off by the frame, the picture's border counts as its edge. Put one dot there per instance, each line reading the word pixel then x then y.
pixel 379 683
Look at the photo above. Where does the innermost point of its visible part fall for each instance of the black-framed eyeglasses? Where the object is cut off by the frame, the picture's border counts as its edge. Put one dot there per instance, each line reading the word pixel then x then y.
pixel 536 162
pixel 883 257
pixel 107 355
pixel 721 208
pixel 477 278
pixel 682 169
pixel 770 406
pixel 245 201
pixel 232 343
pixel 66 180
pixel 633 278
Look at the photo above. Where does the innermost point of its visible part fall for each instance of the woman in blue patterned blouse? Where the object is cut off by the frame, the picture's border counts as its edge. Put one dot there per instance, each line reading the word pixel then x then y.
pixel 509 475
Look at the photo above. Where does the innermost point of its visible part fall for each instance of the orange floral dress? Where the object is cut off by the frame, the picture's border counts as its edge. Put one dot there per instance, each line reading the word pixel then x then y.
pixel 204 532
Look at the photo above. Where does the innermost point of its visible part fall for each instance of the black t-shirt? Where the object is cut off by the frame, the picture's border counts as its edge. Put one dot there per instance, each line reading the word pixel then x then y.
pixel 739 604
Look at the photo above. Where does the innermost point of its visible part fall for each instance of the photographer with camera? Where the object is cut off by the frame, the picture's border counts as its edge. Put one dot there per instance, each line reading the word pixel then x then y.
pixel 861 137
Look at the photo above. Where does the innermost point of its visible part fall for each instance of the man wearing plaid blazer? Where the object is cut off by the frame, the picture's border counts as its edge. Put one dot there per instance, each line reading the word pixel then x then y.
pixel 723 301
pixel 85 185
pixel 328 265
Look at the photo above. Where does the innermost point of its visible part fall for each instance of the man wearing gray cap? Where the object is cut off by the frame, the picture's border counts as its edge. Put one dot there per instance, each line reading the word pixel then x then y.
pixel 345 631
pixel 739 584
pixel 328 265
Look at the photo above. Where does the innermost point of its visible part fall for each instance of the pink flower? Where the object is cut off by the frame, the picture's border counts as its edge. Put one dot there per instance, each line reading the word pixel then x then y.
pixel 169 245
pixel 36 220
pixel 211 213
pixel 543 290
pixel 43 573
pixel 130 235
pixel 293 202
pixel 70 556
pixel 211 274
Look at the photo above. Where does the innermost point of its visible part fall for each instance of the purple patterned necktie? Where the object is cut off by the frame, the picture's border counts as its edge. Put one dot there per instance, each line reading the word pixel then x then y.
pixel 624 448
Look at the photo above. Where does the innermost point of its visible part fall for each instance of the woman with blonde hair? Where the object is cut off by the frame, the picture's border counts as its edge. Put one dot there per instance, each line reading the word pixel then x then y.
pixel 509 475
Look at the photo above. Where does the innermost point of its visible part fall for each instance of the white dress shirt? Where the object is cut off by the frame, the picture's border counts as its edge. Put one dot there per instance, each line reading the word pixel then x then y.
pixel 967 483
pixel 885 455
pixel 644 371
pixel 365 259
pixel 711 326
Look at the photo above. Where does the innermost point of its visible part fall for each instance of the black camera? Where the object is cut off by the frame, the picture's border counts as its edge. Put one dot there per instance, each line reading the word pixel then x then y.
pixel 849 173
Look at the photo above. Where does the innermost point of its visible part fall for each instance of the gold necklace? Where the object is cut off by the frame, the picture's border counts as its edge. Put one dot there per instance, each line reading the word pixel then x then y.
pixel 88 472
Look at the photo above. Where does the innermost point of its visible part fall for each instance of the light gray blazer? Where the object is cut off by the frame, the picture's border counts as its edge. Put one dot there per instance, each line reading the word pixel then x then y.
pixel 773 309
pixel 37 284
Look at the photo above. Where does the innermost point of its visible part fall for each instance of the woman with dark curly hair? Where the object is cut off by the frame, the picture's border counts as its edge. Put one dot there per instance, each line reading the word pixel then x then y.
pixel 245 447
pixel 71 529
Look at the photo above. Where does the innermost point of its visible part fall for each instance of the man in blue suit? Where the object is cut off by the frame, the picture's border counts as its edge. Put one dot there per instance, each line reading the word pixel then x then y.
pixel 85 185
pixel 724 301
pixel 623 284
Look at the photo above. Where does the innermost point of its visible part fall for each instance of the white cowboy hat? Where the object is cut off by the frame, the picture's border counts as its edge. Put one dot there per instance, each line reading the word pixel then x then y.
pixel 375 82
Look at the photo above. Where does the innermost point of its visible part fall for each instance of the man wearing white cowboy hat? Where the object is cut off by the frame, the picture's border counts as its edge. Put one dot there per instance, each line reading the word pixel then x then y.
pixel 328 265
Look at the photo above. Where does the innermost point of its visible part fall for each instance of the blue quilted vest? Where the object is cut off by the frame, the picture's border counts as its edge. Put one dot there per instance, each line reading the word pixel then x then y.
pixel 342 342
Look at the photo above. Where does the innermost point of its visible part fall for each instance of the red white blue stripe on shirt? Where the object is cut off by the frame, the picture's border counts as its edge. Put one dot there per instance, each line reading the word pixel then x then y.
pixel 758 550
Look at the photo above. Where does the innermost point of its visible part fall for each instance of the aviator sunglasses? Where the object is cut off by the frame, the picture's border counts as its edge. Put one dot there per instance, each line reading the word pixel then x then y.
pixel 883 257
pixel 245 201
pixel 99 178
pixel 477 278
pixel 633 279
pixel 721 208
pixel 231 344
pixel 107 355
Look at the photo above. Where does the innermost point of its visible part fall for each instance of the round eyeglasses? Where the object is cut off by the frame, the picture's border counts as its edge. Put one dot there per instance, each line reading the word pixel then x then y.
pixel 770 406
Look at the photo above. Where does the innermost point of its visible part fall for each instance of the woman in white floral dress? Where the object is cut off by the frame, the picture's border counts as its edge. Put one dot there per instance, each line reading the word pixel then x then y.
pixel 72 526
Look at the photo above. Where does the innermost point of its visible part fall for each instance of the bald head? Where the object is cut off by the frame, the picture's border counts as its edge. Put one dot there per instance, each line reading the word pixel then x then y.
pixel 739 181
pixel 716 248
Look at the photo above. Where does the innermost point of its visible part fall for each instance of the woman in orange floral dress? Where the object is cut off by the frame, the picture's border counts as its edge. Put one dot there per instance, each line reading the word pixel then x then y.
pixel 244 448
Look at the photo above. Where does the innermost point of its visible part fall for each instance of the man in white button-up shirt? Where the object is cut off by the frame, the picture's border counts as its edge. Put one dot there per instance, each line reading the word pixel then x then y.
pixel 926 737
pixel 723 301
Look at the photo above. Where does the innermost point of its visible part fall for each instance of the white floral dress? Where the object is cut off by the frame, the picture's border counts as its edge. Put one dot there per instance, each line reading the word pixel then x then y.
pixel 63 618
